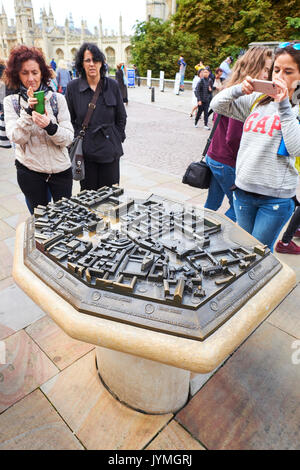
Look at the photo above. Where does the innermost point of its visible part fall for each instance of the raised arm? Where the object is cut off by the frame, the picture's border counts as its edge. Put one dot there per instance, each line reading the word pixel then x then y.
pixel 233 103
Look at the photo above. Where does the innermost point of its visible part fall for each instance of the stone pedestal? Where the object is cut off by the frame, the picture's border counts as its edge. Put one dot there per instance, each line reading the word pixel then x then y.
pixel 142 384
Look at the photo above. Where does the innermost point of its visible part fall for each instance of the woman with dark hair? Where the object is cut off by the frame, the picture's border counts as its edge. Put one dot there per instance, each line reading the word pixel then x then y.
pixel 102 143
pixel 41 140
pixel 266 177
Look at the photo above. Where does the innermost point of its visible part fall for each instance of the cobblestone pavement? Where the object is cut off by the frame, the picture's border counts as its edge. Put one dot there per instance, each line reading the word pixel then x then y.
pixel 161 137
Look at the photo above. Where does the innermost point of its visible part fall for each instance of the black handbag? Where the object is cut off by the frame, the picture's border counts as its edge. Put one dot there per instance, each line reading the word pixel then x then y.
pixel 198 174
pixel 75 149
pixel 77 160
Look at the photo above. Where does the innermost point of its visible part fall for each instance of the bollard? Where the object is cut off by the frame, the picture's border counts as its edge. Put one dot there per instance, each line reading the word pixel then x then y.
pixel 152 94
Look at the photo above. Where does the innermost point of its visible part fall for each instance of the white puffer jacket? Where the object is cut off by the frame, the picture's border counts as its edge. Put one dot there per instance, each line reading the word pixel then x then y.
pixel 36 149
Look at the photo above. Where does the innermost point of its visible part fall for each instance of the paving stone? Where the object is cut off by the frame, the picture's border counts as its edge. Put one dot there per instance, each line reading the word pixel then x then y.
pixel 290 260
pixel 7 189
pixel 33 424
pixel 17 310
pixel 10 243
pixel 5 230
pixel 59 347
pixel 253 402
pixel 98 420
pixel 163 139
pixel 13 204
pixel 8 281
pixel 4 213
pixel 26 368
pixel 6 260
pixel 174 437
pixel 174 193
pixel 286 316
pixel 14 220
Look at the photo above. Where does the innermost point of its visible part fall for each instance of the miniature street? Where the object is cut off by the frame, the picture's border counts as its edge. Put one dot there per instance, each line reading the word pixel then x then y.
pixel 50 395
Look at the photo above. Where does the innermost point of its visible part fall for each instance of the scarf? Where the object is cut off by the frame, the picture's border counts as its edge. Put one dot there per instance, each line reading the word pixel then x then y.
pixel 23 90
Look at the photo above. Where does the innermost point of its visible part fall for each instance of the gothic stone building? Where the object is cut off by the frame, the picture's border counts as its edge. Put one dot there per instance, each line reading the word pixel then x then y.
pixel 62 42
pixel 59 42
pixel 161 9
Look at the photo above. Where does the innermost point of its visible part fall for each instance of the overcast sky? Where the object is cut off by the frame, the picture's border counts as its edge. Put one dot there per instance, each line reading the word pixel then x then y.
pixel 89 10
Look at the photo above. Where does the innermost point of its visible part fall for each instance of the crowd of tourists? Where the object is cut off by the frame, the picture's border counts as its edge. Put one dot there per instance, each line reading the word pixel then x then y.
pixel 252 156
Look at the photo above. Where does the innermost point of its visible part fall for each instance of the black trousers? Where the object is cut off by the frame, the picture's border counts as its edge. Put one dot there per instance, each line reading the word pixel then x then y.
pixel 204 107
pixel 292 227
pixel 36 186
pixel 100 174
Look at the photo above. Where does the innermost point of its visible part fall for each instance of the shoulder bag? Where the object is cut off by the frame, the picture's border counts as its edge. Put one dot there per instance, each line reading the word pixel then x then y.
pixel 75 150
pixel 198 174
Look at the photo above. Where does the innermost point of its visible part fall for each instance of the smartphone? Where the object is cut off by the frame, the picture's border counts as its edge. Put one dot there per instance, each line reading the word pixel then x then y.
pixel 264 86
pixel 40 106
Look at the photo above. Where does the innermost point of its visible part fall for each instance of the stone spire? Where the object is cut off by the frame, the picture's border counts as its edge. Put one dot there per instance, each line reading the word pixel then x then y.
pixel 120 25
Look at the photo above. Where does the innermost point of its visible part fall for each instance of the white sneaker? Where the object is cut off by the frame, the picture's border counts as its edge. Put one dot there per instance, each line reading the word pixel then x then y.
pixel 206 127
pixel 196 125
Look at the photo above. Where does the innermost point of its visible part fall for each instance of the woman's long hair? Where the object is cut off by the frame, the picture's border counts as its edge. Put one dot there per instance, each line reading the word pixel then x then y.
pixel 251 63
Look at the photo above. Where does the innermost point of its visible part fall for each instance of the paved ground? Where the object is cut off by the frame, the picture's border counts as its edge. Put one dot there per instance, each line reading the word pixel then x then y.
pixel 50 397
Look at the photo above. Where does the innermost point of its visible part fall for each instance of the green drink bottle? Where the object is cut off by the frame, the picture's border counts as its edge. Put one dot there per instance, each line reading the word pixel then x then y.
pixel 40 106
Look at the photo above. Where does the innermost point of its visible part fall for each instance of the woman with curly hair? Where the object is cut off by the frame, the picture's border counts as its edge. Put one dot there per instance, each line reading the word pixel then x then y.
pixel 102 143
pixel 41 140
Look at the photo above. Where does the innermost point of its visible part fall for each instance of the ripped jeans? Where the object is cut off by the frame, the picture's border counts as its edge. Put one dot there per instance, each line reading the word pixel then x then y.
pixel 262 216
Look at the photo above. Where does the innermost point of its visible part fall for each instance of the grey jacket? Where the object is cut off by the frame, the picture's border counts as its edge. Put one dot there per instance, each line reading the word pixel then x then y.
pixel 259 168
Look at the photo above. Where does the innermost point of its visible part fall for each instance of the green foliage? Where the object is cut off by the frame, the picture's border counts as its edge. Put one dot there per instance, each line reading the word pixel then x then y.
pixel 211 30
pixel 157 46
pixel 295 24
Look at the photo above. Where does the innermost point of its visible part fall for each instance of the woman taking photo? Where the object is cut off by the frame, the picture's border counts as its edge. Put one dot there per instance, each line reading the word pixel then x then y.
pixel 102 147
pixel 42 159
pixel 222 152
pixel 266 181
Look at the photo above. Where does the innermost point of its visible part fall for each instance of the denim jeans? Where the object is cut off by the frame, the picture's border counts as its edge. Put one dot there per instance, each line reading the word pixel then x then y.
pixel 263 216
pixel 222 179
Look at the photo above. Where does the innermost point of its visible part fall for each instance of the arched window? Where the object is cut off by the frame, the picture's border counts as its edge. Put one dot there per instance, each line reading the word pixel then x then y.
pixel 60 54
pixel 110 56
pixel 73 53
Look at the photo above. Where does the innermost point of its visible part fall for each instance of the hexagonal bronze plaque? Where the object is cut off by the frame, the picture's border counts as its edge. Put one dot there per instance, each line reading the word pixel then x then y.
pixel 152 263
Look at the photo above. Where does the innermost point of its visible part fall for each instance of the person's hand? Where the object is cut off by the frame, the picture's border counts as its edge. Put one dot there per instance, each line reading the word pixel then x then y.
pixel 247 85
pixel 281 90
pixel 32 101
pixel 41 120
pixel 199 103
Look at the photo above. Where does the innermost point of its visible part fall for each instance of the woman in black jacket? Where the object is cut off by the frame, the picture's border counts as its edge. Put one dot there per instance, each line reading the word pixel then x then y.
pixel 102 143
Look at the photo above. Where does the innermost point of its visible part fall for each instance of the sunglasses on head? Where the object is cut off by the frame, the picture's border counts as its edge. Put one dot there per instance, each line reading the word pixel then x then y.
pixel 295 46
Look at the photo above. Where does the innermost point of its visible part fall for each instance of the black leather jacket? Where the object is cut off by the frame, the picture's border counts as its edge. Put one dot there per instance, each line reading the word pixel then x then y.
pixel 106 131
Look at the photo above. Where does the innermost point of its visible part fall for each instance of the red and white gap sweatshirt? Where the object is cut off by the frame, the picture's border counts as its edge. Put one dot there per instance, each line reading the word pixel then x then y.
pixel 258 167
